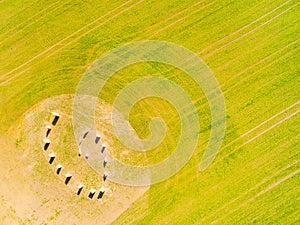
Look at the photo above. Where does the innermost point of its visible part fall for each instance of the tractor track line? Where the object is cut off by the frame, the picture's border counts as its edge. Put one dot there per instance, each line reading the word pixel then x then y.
pixel 260 134
pixel 31 23
pixel 270 187
pixel 26 21
pixel 66 38
pixel 157 25
pixel 242 28
pixel 257 185
pixel 181 19
pixel 249 32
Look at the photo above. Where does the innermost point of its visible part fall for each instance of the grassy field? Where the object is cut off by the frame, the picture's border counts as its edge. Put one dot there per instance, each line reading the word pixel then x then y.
pixel 252 47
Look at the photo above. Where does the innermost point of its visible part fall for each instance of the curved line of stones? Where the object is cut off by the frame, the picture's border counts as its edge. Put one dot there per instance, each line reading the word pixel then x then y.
pixel 59 167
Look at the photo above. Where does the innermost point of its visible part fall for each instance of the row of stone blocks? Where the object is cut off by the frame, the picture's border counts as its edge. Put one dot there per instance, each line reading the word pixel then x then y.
pixel 59 167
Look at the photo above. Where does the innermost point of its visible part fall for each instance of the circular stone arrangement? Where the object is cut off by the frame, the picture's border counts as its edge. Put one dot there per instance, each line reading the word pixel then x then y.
pixel 68 176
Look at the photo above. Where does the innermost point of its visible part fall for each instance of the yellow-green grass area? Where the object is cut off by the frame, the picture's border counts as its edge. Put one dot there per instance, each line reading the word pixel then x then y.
pixel 252 48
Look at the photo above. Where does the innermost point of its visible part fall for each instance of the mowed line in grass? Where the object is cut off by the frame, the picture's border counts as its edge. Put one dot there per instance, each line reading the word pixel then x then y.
pixel 94 28
pixel 48 56
pixel 257 136
pixel 265 58
pixel 285 110
pixel 203 50
pixel 220 159
pixel 68 43
pixel 261 124
pixel 77 38
pixel 14 31
pixel 206 202
pixel 270 187
pixel 231 86
pixel 243 35
pixel 275 60
pixel 270 128
pixel 282 145
pixel 260 61
pixel 198 53
pixel 17 26
pixel 72 41
pixel 249 119
pixel 237 31
pixel 70 36
pixel 237 38
pixel 260 183
pixel 14 76
pixel 267 120
pixel 181 19
pixel 151 28
pixel 82 35
pixel 249 32
pixel 267 160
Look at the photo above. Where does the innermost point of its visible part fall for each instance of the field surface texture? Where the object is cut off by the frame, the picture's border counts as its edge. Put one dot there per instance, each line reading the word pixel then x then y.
pixel 253 49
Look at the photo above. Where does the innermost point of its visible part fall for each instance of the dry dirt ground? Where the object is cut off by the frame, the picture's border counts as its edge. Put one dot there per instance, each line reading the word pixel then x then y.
pixel 30 190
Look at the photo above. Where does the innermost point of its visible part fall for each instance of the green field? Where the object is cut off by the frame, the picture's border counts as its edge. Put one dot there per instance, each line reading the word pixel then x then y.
pixel 252 47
